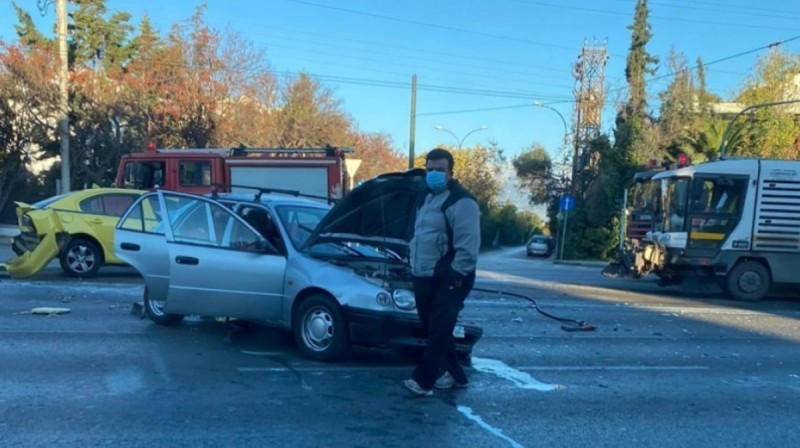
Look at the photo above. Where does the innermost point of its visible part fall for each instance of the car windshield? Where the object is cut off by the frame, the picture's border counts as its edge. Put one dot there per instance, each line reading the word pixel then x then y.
pixel 674 204
pixel 539 240
pixel 300 221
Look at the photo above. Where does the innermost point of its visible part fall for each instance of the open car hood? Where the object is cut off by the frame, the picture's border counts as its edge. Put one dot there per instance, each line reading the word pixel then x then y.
pixel 380 211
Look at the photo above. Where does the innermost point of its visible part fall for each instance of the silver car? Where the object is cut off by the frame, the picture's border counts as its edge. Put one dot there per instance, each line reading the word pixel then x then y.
pixel 334 277
pixel 540 245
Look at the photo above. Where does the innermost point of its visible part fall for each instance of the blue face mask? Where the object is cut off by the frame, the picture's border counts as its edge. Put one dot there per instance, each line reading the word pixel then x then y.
pixel 435 179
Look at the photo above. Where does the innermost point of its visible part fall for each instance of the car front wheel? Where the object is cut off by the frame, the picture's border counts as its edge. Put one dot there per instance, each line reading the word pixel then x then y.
pixel 81 258
pixel 155 311
pixel 320 328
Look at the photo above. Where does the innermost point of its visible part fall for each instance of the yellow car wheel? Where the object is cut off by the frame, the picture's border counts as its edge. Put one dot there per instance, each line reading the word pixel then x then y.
pixel 81 258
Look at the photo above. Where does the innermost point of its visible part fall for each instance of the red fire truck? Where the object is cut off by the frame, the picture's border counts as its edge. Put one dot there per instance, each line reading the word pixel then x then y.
pixel 319 172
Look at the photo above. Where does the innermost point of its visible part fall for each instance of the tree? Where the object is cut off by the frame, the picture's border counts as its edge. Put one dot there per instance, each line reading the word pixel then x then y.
pixel 310 116
pixel 28 106
pixel 775 130
pixel 376 154
pixel 27 32
pixel 639 62
pixel 99 41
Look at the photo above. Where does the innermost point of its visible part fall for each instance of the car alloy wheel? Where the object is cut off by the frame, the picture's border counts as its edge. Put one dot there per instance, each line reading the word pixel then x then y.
pixel 81 258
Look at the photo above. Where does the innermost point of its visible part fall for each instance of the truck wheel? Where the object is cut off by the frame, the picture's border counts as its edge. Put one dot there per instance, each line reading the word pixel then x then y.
pixel 155 311
pixel 81 258
pixel 320 329
pixel 748 281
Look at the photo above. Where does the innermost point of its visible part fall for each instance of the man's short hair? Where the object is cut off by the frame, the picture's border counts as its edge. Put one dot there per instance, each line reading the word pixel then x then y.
pixel 439 154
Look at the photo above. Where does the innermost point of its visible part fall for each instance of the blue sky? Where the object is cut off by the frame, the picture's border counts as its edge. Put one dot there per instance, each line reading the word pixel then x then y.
pixel 498 53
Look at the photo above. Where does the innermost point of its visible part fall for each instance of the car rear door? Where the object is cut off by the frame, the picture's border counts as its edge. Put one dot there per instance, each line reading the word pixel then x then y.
pixel 219 265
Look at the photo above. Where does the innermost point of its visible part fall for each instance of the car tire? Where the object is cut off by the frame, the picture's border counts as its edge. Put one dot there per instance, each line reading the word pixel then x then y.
pixel 155 312
pixel 748 281
pixel 320 329
pixel 81 258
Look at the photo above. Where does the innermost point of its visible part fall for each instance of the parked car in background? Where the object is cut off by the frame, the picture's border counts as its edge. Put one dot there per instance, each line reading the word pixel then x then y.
pixel 333 277
pixel 541 245
pixel 76 227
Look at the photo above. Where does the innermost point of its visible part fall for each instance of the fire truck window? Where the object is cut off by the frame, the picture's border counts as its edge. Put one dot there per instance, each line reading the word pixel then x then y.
pixel 195 174
pixel 144 175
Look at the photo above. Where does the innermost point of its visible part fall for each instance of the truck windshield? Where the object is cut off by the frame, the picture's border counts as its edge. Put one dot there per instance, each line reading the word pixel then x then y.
pixel 674 200
pixel 645 197
pixel 715 207
pixel 143 175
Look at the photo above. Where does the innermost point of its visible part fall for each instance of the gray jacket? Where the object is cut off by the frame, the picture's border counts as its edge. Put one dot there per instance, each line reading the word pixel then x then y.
pixel 430 242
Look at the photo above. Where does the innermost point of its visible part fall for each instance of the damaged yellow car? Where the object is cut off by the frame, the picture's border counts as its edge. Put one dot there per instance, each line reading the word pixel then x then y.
pixel 76 227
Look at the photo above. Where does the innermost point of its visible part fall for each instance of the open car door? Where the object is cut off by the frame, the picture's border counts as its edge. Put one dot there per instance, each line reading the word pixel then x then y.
pixel 218 264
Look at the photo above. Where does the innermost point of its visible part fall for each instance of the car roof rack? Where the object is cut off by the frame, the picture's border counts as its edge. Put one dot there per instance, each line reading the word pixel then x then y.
pixel 262 190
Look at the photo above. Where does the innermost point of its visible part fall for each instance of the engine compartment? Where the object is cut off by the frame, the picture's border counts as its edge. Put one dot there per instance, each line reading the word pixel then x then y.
pixel 389 275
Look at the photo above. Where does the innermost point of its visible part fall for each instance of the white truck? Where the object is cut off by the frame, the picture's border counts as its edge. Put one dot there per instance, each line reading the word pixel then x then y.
pixel 734 220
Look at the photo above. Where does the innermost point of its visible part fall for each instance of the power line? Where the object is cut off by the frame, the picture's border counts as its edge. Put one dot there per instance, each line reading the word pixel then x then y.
pixel 656 17
pixel 783 15
pixel 730 6
pixel 431 25
pixel 621 89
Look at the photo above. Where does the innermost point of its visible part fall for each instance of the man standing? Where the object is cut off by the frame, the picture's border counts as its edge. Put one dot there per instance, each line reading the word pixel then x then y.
pixel 444 254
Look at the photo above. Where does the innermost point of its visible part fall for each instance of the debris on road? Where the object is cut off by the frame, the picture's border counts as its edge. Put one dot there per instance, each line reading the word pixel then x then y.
pixel 50 311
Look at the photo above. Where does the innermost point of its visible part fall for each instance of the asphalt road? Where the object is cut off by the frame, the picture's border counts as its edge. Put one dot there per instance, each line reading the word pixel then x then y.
pixel 664 368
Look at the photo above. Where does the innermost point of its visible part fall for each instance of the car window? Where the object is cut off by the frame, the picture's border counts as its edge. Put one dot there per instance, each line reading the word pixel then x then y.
pixel 108 204
pixel 46 202
pixel 194 173
pixel 196 221
pixel 145 217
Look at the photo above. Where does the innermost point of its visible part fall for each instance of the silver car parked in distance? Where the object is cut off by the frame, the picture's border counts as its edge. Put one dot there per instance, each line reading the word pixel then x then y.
pixel 334 277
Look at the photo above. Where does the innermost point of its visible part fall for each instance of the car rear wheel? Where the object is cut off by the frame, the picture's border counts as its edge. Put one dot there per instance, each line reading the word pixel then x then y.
pixel 81 258
pixel 748 281
pixel 155 311
pixel 320 328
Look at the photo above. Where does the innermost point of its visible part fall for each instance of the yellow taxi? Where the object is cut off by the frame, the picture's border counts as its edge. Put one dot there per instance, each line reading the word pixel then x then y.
pixel 76 227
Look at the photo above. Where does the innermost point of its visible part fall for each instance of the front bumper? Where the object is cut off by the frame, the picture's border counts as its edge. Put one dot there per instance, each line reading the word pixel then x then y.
pixel 398 330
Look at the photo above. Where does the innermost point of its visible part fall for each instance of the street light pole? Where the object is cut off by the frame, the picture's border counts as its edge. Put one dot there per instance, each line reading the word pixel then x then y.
pixel 723 146
pixel 562 238
pixel 461 141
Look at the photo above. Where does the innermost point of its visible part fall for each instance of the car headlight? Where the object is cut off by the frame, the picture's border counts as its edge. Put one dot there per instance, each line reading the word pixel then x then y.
pixel 404 299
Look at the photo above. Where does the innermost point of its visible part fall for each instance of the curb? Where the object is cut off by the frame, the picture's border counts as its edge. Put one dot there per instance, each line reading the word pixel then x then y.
pixel 7 231
pixel 583 263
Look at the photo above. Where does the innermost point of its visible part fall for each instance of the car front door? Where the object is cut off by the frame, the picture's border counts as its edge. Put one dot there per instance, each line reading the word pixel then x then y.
pixel 140 241
pixel 219 265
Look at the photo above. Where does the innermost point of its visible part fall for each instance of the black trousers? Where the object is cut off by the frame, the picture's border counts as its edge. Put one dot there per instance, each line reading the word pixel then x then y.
pixel 438 305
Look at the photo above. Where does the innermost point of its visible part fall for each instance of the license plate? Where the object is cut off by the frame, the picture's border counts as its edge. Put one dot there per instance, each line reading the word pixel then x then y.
pixel 458 332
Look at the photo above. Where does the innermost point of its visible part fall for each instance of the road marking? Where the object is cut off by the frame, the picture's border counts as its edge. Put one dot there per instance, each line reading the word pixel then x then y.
pixel 521 379
pixel 248 352
pixel 467 412
pixel 348 369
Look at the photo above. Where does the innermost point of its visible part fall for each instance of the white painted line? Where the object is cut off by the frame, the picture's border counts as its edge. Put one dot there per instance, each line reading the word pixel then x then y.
pixel 467 412
pixel 248 352
pixel 347 369
pixel 521 379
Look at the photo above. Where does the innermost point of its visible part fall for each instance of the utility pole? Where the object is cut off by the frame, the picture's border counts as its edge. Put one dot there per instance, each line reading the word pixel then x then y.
pixel 413 129
pixel 63 122
pixel 589 92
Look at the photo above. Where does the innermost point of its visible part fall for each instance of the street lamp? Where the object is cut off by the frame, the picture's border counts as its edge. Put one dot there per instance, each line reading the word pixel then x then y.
pixel 461 141
pixel 723 146
pixel 562 237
